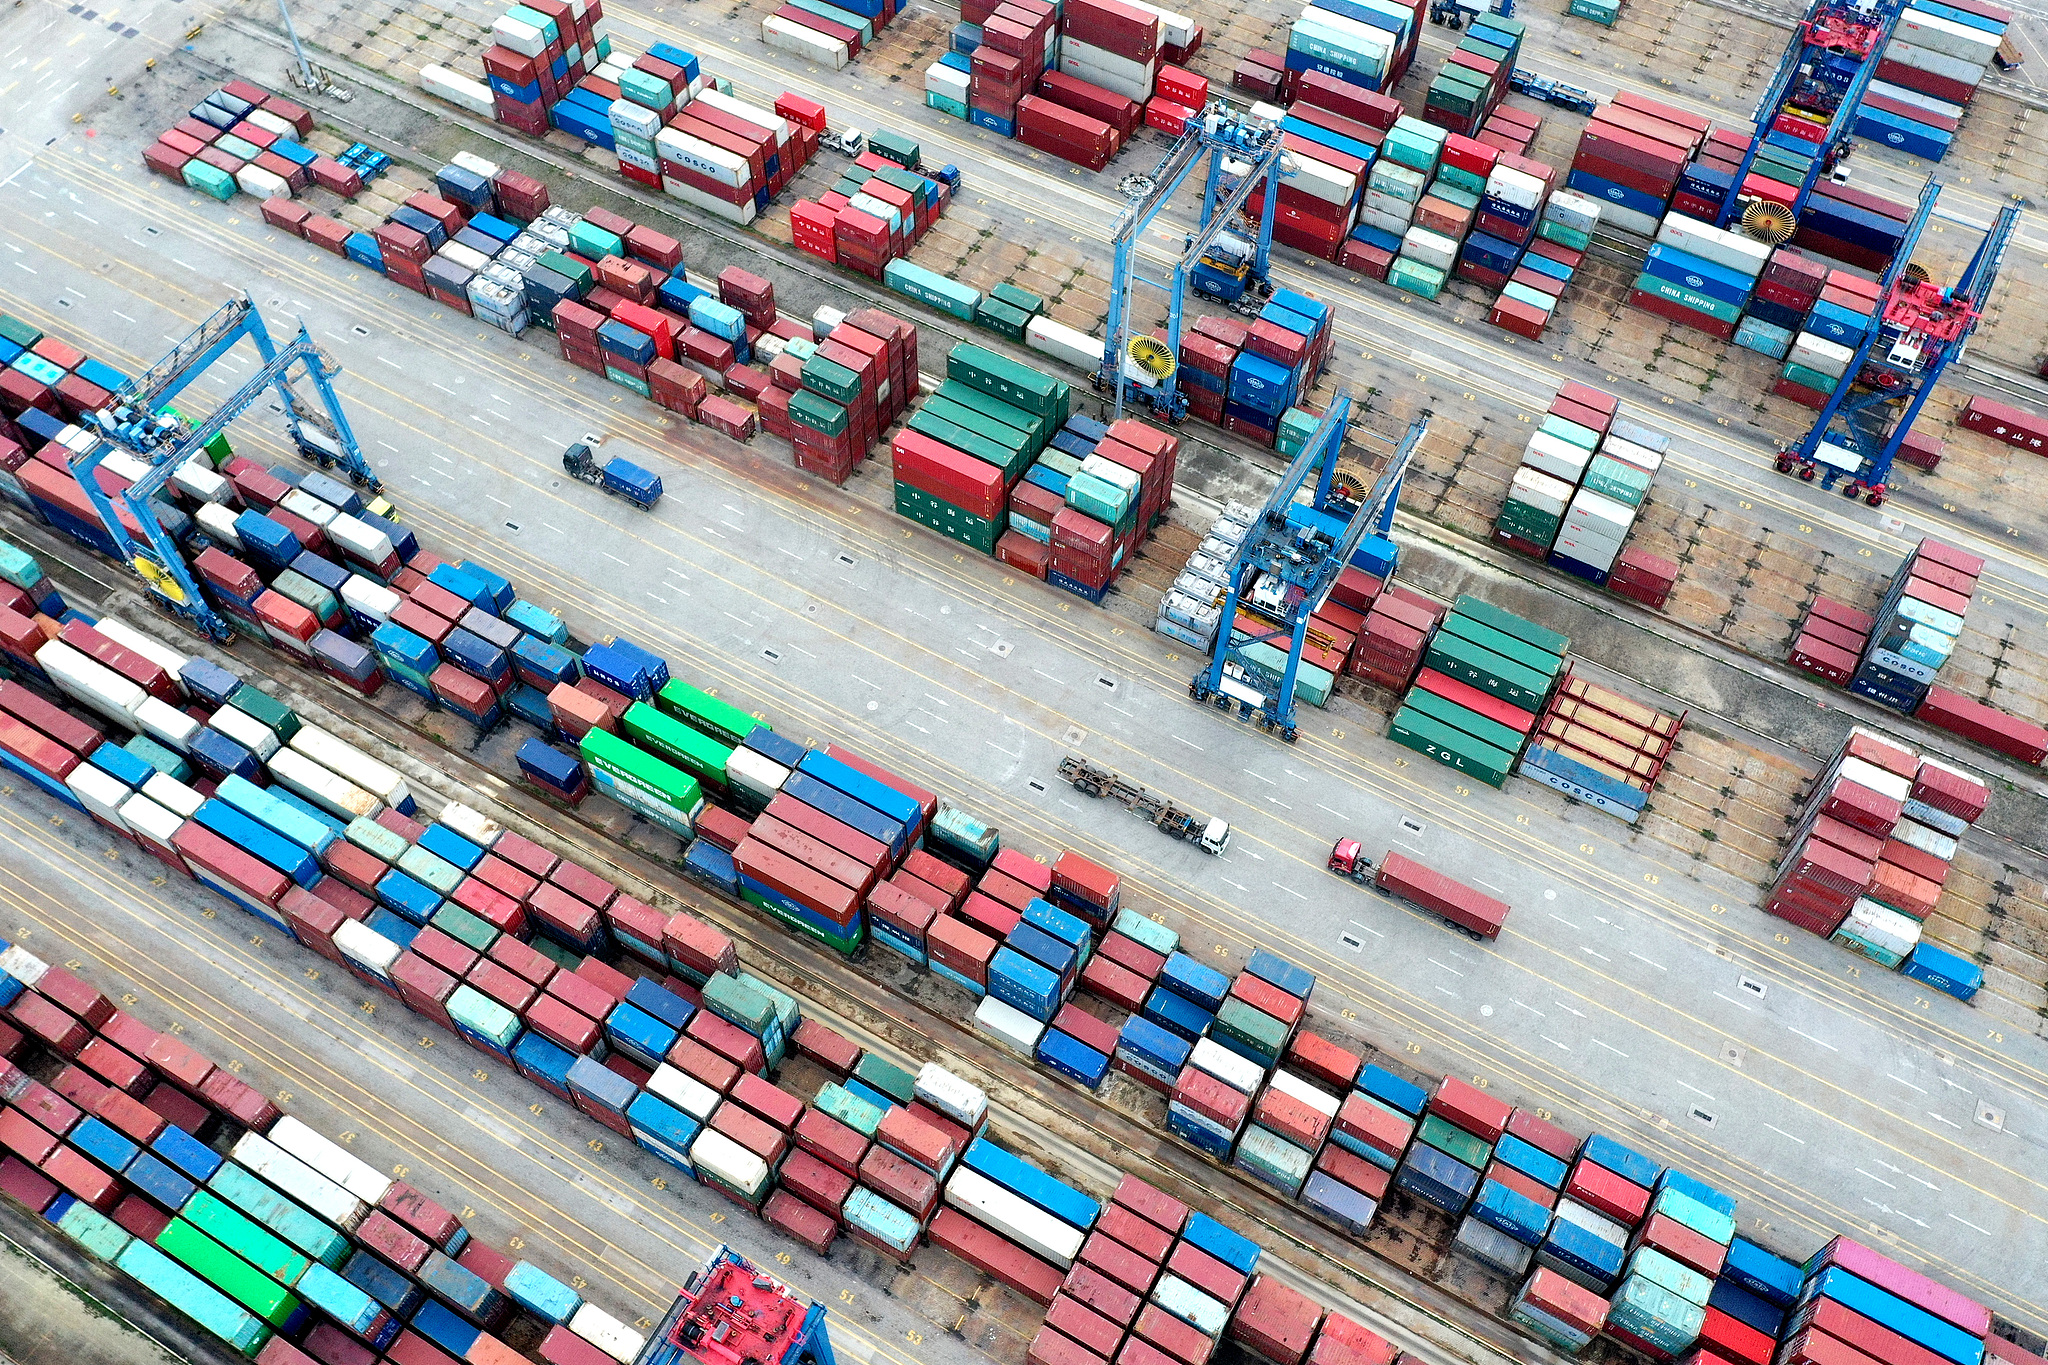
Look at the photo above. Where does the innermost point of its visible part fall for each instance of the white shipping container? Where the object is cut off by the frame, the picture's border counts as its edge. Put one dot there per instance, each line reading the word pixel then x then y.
pixel 1431 248
pixel 99 792
pixel 1321 180
pixel 167 724
pixel 1511 186
pixel 686 1093
pixel 308 780
pixel 369 597
pixel 455 253
pixel 1353 34
pixel 1946 36
pixel 756 773
pixel 727 168
pixel 765 119
pixel 300 503
pixel 458 89
pixel 346 761
pixel 1387 220
pixel 941 79
pixel 1535 488
pixel 219 522
pixel 637 119
pixel 1109 471
pixel 367 948
pixel 1818 353
pixel 1597 509
pixel 1633 221
pixel 253 179
pixel 289 1176
pixel 1175 30
pixel 1240 1073
pixel 471 824
pixel 1606 1229
pixel 957 1099
pixel 1403 182
pixel 245 730
pixel 523 38
pixel 197 479
pixel 1884 926
pixel 1744 255
pixel 1629 453
pixel 1598 554
pixel 1287 1083
pixel 715 1154
pixel 23 965
pixel 173 795
pixel 1577 211
pixel 1557 457
pixel 1935 63
pixel 91 683
pixel 607 1333
pixel 148 646
pixel 359 539
pixel 1916 99
pixel 149 820
pixel 331 1158
pixel 476 165
pixel 1014 1217
pixel 270 123
pixel 1064 343
pixel 1008 1025
pixel 1876 778
pixel 1110 70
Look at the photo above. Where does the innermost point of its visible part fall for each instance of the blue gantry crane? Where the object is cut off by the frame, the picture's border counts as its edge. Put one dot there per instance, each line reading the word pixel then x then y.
pixel 1241 152
pixel 136 420
pixel 1285 566
pixel 1820 82
pixel 1921 329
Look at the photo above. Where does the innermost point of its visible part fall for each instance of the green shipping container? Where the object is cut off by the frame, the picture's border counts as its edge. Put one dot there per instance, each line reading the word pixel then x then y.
pixel 945 104
pixel 818 413
pixel 1570 432
pixel 738 1003
pixel 1004 378
pixel 1449 177
pixel 471 1009
pixel 298 588
pixel 1312 684
pixel 429 870
pixel 724 722
pixel 465 928
pixel 932 288
pixel 1413 277
pixel 1254 1028
pixel 1448 1138
pixel 253 1244
pixel 207 1308
pixel 1550 230
pixel 1002 319
pixel 1542 637
pixel 1489 672
pixel 1717 309
pixel 1599 11
pixel 887 1077
pixel 627 381
pixel 1018 298
pixel 1158 937
pixel 1535 658
pixel 844 17
pixel 1012 460
pixel 891 146
pixel 1464 719
pixel 1037 429
pixel 211 181
pixel 849 1108
pixel 849 944
pixel 267 711
pixel 952 522
pixel 1813 379
pixel 578 273
pixel 666 792
pixel 593 243
pixel 97 1235
pixel 1479 47
pixel 229 1273
pixel 309 1233
pixel 831 379
pixel 1612 478
pixel 1449 747
pixel 674 742
pixel 1274 1160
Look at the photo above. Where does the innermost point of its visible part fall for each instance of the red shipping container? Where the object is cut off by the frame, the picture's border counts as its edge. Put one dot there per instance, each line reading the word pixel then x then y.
pixel 994 1255
pixel 1607 1192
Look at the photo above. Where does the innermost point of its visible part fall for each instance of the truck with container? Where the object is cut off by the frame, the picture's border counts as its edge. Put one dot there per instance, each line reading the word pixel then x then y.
pixel 617 476
pixel 1472 913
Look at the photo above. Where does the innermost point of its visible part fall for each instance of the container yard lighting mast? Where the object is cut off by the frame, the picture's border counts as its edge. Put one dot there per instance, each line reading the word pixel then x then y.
pixel 1922 329
pixel 1824 73
pixel 1286 565
pixel 1242 153
pixel 135 421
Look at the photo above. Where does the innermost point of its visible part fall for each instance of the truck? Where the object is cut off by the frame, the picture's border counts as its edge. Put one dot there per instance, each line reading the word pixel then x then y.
pixel 618 477
pixel 1208 833
pixel 1472 913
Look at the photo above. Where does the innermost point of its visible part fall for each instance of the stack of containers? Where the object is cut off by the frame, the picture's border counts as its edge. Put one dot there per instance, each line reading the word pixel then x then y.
pixel 1855 1300
pixel 1474 80
pixel 1486 674
pixel 1833 637
pixel 1283 356
pixel 1530 295
pixel 1853 226
pixel 1191 610
pixel 1368 45
pixel 540 55
pixel 242 128
pixel 968 446
pixel 1630 158
pixel 1003 69
pixel 1786 292
pixel 1873 846
pixel 1090 1313
pixel 1006 1195
pixel 1453 1144
pixel 1182 95
pixel 1915 628
pixel 1582 482
pixel 1928 73
pixel 1111 45
pixel 1699 275
pixel 830 34
pixel 1600 747
pixel 1126 967
pixel 1316 207
pixel 1396 633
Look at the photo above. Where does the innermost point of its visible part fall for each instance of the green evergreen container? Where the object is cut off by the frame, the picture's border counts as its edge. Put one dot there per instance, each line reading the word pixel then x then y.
pixel 659 790
pixel 848 943
pixel 672 741
pixel 578 273
pixel 1530 523
pixel 1452 748
pixel 724 722
pixel 1037 429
